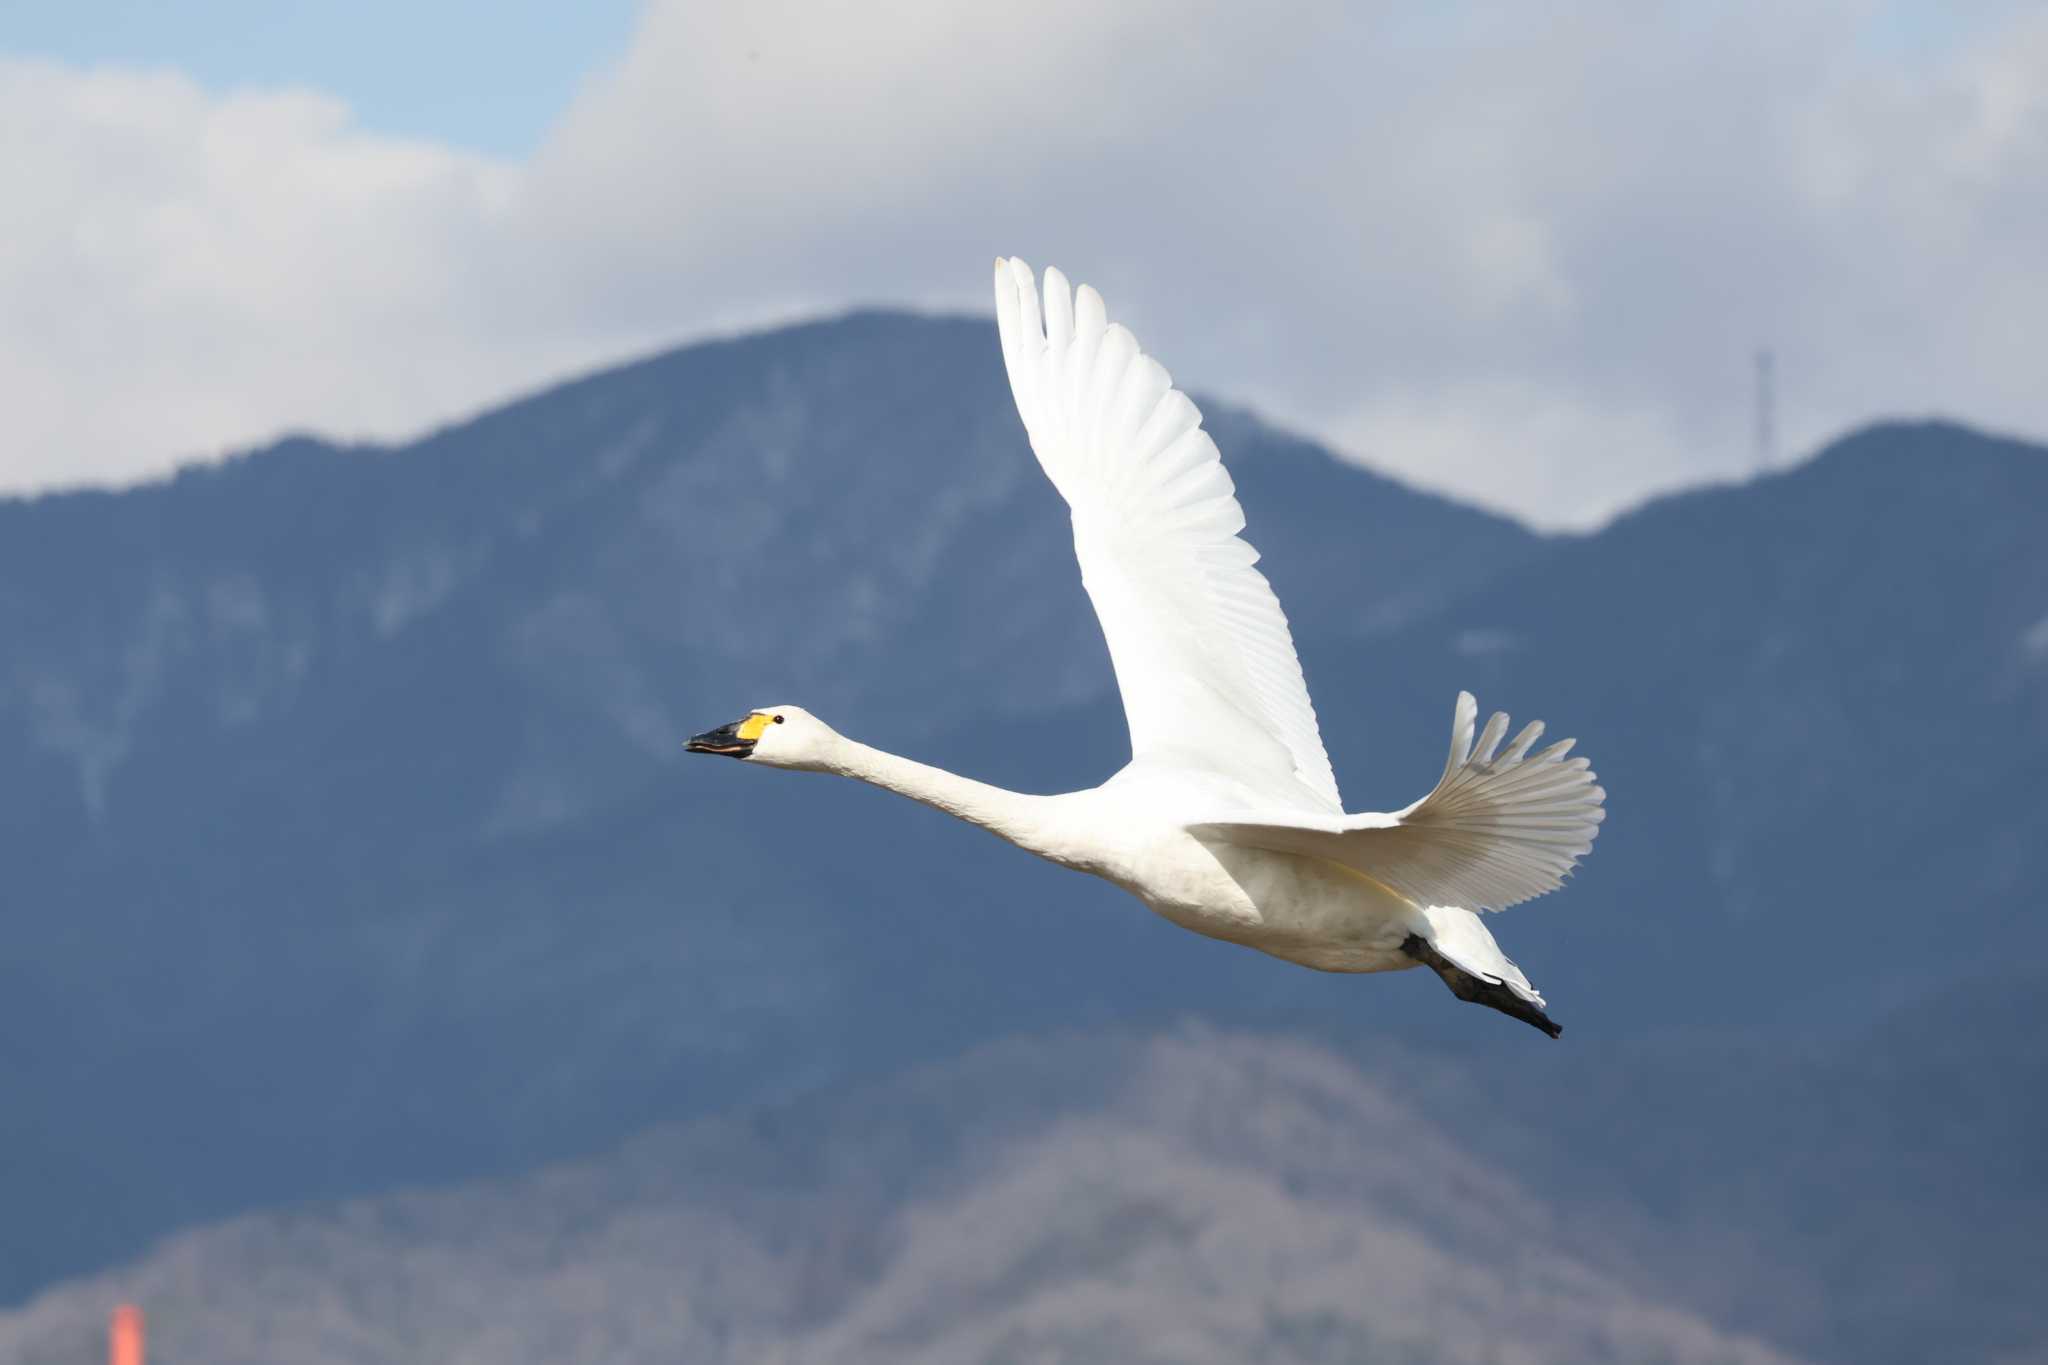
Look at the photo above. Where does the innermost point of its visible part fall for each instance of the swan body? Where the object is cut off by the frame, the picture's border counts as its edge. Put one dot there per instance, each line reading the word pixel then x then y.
pixel 1227 820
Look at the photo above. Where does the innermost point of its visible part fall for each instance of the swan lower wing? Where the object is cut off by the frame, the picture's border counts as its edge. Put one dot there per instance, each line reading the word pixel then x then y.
pixel 1499 827
pixel 1203 656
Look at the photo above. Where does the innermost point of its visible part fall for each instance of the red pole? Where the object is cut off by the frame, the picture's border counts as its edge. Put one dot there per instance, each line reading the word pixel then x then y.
pixel 124 1336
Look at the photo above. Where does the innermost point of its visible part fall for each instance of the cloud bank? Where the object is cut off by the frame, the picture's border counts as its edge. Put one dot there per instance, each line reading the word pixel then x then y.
pixel 1525 258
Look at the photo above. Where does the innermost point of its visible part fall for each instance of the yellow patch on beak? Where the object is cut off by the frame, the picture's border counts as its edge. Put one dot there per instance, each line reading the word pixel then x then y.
pixel 751 728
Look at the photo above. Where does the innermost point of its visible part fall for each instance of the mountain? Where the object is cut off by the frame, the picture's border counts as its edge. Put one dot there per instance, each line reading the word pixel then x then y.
pixel 1820 702
pixel 1874 1197
pixel 343 790
pixel 1194 1196
pixel 350 846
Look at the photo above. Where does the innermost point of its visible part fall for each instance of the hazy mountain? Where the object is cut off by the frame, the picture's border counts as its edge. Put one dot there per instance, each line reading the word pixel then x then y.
pixel 347 836
pixel 349 844
pixel 1195 1197
pixel 1821 705
pixel 1876 1197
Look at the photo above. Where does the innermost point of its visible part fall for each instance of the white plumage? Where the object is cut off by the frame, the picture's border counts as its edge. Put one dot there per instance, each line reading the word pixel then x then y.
pixel 1202 653
pixel 1498 829
pixel 1227 819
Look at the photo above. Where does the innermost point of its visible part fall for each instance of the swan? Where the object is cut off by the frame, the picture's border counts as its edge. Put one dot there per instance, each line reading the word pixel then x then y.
pixel 1226 821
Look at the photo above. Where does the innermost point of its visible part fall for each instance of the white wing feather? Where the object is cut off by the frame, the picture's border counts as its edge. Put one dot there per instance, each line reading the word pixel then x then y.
pixel 1499 828
pixel 1202 653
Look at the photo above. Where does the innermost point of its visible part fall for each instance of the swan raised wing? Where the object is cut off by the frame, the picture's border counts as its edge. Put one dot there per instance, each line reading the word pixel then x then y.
pixel 1500 827
pixel 1203 656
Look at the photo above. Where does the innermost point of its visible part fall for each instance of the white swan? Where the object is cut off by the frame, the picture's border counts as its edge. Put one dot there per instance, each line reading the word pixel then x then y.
pixel 1226 820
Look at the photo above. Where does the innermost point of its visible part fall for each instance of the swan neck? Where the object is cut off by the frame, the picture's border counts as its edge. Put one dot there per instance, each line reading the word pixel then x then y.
pixel 1015 816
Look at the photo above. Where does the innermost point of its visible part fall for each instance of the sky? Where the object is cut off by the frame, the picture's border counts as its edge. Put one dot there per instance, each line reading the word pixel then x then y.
pixel 1525 255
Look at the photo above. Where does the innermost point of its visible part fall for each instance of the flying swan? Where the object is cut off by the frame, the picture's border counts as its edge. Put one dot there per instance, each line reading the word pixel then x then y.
pixel 1227 820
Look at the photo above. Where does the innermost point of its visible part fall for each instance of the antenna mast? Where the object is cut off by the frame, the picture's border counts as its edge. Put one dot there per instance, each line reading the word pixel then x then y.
pixel 1766 410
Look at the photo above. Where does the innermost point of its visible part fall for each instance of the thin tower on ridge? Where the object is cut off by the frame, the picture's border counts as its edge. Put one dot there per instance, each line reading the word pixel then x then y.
pixel 1766 410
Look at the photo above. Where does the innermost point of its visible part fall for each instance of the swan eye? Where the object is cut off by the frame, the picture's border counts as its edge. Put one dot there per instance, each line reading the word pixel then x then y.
pixel 778 720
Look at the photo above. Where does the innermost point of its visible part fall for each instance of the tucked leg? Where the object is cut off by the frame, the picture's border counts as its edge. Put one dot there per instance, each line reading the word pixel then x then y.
pixel 1477 989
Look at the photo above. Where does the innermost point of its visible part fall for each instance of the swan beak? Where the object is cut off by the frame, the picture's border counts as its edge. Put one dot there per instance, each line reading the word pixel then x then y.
pixel 726 739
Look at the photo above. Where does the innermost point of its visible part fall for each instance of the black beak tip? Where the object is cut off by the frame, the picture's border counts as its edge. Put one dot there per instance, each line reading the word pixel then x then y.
pixel 724 740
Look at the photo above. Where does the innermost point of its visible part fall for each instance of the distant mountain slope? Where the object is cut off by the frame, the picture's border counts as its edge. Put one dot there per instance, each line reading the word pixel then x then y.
pixel 1875 1198
pixel 1194 1197
pixel 348 844
pixel 339 802
pixel 1820 707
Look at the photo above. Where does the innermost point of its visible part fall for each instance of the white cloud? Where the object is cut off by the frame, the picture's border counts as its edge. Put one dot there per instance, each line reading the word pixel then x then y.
pixel 185 271
pixel 1522 256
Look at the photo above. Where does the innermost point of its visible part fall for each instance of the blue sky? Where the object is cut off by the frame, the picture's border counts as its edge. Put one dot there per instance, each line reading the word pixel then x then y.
pixel 490 77
pixel 1521 254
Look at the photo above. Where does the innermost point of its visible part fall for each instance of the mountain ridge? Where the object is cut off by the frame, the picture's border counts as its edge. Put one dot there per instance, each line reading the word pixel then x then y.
pixel 353 845
pixel 1194 1195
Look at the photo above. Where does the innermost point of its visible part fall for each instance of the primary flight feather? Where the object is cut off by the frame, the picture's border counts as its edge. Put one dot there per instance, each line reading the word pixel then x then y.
pixel 1227 819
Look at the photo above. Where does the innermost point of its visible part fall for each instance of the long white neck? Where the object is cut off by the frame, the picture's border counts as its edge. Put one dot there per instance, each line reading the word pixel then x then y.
pixel 1030 822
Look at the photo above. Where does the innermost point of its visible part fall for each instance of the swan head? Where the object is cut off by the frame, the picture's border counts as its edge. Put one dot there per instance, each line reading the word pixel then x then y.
pixel 774 736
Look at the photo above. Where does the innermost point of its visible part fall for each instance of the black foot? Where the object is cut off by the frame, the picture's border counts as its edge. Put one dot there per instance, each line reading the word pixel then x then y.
pixel 1477 989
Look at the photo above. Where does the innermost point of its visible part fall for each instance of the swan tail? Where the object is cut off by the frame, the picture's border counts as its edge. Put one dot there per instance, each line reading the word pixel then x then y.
pixel 1458 948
